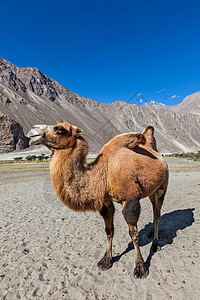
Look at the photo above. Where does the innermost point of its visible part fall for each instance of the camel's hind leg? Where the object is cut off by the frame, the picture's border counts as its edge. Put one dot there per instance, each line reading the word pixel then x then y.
pixel 131 212
pixel 157 201
pixel 107 212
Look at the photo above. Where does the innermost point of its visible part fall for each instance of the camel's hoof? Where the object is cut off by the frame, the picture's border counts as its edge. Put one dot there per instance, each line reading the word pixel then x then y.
pixel 105 263
pixel 141 270
pixel 155 247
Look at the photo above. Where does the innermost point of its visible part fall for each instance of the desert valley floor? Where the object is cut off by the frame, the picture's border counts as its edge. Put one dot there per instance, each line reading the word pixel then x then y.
pixel 50 252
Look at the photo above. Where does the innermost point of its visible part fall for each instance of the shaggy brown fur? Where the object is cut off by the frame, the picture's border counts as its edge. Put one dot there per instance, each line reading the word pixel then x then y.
pixel 127 169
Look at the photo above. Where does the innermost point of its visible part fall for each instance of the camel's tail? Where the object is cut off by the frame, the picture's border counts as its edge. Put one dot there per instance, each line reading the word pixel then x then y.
pixel 149 136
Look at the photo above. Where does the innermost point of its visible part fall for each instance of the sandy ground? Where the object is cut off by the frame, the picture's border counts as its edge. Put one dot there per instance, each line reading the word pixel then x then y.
pixel 50 252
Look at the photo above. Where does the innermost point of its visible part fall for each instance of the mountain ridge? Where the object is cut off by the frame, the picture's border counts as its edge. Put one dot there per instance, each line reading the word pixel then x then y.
pixel 30 97
pixel 190 104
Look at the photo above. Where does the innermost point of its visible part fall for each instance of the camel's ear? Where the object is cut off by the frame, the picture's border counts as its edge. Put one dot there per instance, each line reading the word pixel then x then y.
pixel 148 131
pixel 77 131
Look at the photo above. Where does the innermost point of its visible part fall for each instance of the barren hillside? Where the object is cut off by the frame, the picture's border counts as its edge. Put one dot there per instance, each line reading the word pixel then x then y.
pixel 30 97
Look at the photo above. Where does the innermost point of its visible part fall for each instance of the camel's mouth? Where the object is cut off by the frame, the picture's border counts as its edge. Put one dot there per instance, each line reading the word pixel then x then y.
pixel 35 140
pixel 36 134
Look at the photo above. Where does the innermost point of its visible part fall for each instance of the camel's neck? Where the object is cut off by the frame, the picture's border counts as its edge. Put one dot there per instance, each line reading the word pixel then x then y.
pixel 77 185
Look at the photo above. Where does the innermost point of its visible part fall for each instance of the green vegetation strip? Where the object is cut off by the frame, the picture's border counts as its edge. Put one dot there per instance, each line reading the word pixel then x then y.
pixel 195 156
pixel 26 165
pixel 23 167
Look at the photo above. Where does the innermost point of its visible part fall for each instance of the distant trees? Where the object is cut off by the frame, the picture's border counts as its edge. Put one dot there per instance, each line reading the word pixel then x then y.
pixel 18 158
pixel 32 158
pixel 42 157
pixel 190 155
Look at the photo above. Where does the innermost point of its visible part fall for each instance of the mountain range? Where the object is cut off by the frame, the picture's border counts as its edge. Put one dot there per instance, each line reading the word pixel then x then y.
pixel 28 97
pixel 191 104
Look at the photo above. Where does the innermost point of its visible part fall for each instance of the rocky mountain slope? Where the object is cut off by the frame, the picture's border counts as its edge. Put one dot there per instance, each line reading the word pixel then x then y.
pixel 11 135
pixel 30 97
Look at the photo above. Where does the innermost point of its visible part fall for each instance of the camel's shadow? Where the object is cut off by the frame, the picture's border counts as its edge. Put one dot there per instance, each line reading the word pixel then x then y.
pixel 169 224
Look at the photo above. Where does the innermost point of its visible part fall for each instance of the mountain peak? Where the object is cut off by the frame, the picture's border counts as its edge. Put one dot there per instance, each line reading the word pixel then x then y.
pixel 9 64
pixel 155 105
pixel 4 61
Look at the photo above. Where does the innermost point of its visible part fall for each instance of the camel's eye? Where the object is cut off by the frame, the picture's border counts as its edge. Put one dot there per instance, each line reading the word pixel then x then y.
pixel 60 129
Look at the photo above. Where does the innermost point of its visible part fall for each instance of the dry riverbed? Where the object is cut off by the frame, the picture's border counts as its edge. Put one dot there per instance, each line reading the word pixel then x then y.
pixel 50 252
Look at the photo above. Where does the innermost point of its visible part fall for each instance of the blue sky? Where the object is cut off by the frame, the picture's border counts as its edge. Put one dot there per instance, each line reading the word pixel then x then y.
pixel 107 50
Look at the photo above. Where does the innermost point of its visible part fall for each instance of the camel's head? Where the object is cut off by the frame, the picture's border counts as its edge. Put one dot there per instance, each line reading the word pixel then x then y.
pixel 59 136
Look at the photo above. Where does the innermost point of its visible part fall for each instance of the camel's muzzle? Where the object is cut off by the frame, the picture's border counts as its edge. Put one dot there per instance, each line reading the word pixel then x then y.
pixel 36 134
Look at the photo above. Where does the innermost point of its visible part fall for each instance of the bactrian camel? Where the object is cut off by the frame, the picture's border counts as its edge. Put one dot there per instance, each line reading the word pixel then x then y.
pixel 127 169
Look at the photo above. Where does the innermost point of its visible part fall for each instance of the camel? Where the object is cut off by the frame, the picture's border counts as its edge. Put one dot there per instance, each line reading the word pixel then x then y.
pixel 127 169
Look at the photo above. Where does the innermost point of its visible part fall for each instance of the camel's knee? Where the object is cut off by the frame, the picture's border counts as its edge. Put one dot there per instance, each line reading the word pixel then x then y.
pixel 107 212
pixel 131 211
pixel 134 234
pixel 109 231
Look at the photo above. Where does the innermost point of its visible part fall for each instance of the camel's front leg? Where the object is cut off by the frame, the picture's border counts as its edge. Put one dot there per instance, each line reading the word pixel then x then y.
pixel 107 212
pixel 131 212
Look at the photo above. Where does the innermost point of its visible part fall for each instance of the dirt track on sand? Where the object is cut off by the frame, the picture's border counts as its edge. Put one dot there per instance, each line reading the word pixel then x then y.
pixel 50 252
